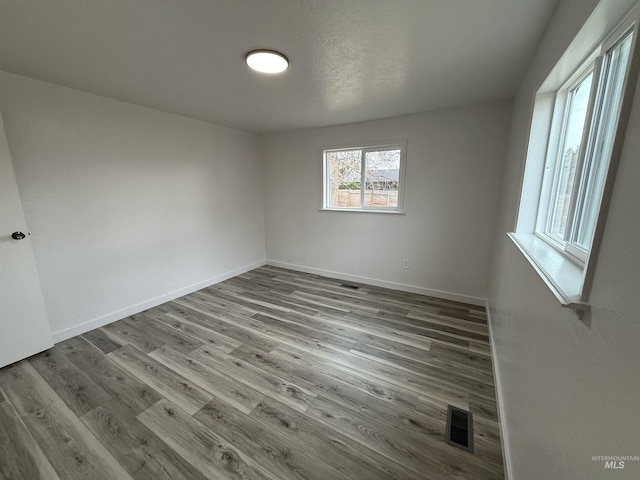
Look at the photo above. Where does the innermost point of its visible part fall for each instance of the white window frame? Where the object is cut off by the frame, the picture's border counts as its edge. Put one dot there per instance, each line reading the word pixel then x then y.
pixel 593 64
pixel 565 267
pixel 365 148
pixel 554 159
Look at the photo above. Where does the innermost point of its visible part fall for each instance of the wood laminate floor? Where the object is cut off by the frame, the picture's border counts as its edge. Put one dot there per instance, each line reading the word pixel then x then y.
pixel 273 374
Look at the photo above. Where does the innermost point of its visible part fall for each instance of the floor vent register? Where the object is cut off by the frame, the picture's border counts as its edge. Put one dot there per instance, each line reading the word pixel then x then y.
pixel 459 428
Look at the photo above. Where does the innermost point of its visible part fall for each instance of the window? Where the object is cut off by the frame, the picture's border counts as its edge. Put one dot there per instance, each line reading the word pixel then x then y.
pixel 577 163
pixel 364 178
pixel 576 137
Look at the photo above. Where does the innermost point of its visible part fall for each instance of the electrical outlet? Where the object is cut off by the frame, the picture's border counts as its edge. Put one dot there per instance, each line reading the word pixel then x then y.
pixel 405 263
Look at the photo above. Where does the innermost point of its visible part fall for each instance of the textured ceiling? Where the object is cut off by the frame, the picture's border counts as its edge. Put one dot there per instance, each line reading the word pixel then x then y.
pixel 351 60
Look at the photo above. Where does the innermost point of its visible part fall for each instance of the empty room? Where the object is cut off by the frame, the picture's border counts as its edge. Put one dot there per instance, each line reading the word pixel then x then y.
pixel 319 239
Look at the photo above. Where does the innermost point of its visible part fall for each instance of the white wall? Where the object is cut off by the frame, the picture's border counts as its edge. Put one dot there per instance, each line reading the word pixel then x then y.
pixel 128 206
pixel 570 389
pixel 453 176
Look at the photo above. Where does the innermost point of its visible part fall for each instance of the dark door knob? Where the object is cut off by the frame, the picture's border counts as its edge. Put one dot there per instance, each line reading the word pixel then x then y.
pixel 18 235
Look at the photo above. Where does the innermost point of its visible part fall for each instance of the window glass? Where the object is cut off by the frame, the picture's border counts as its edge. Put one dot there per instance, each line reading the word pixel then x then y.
pixel 345 177
pixel 569 153
pixel 382 175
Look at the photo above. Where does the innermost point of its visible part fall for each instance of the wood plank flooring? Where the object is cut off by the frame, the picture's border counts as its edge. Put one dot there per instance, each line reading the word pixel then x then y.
pixel 273 374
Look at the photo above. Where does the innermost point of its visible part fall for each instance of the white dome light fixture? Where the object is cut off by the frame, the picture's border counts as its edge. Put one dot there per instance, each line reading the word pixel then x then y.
pixel 267 61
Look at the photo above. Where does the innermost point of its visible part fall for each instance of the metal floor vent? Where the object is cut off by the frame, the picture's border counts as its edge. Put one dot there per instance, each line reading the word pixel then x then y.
pixel 459 428
pixel 348 285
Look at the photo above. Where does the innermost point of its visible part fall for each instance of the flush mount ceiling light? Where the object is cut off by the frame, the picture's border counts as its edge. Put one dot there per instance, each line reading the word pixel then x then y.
pixel 267 61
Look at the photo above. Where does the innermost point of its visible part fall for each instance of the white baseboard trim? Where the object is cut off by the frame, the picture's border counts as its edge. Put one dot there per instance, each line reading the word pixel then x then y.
pixel 70 332
pixel 456 297
pixel 504 441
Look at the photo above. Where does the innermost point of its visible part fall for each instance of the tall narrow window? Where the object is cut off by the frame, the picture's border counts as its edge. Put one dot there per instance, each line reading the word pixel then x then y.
pixel 363 178
pixel 567 161
pixel 578 128
pixel 578 162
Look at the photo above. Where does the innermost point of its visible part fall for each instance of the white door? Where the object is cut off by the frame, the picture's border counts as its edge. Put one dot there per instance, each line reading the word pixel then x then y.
pixel 24 327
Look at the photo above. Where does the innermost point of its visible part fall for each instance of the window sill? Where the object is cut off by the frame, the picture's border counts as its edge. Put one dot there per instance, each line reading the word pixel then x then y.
pixel 355 210
pixel 563 277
